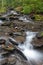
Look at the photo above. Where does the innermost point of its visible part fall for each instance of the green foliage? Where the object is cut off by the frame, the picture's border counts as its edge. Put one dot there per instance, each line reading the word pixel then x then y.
pixel 28 6
pixel 27 9
pixel 41 34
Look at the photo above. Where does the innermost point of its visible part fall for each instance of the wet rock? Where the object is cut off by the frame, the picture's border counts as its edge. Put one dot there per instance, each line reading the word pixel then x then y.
pixel 13 41
pixel 38 40
pixel 33 17
pixel 6 24
pixel 11 59
pixel 2 41
pixel 9 47
pixel 2 52
pixel 16 59
pixel 4 32
pixel 11 34
pixel 39 35
pixel 13 18
pixel 20 53
pixel 18 36
pixel 2 18
pixel 20 39
pixel 2 60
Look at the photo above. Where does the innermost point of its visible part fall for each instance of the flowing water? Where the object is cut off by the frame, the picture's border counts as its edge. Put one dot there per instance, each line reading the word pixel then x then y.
pixel 9 13
pixel 24 19
pixel 29 51
pixel 1 22
pixel 33 55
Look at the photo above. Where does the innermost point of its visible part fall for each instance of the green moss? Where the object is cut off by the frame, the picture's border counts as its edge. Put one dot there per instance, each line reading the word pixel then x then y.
pixel 28 5
pixel 38 17
pixel 27 9
pixel 41 33
pixel 20 8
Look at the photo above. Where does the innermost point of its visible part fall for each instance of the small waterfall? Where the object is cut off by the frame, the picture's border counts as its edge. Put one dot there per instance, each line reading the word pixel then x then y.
pixel 1 22
pixel 14 12
pixel 28 41
pixel 9 13
pixel 0 57
pixel 27 48
pixel 27 44
pixel 24 19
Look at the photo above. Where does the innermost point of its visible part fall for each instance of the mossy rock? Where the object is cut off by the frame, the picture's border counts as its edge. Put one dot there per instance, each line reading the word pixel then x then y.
pixel 40 35
pixel 18 8
pixel 38 40
pixel 9 48
pixel 38 17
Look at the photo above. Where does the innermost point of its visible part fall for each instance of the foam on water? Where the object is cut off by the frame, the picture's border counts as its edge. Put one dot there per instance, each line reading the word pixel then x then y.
pixel 1 22
pixel 27 48
pixel 24 19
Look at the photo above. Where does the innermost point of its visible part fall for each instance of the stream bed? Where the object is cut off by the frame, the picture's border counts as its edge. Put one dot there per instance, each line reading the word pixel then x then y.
pixel 16 36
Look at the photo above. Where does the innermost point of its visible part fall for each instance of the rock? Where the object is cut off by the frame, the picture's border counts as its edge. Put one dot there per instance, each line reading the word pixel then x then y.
pixel 13 18
pixel 2 18
pixel 38 40
pixel 20 39
pixel 39 35
pixel 2 41
pixel 6 24
pixel 11 59
pixel 10 47
pixel 3 52
pixel 33 18
pixel 16 59
pixel 13 41
pixel 17 51
pixel 15 34
pixel 11 34
pixel 3 60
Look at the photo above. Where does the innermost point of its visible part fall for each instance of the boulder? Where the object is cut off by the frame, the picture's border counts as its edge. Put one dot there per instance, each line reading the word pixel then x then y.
pixel 2 41
pixel 13 41
pixel 8 46
pixel 2 18
pixel 18 36
pixel 38 40
pixel 2 60
pixel 20 39
pixel 13 18
pixel 39 35
pixel 11 59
